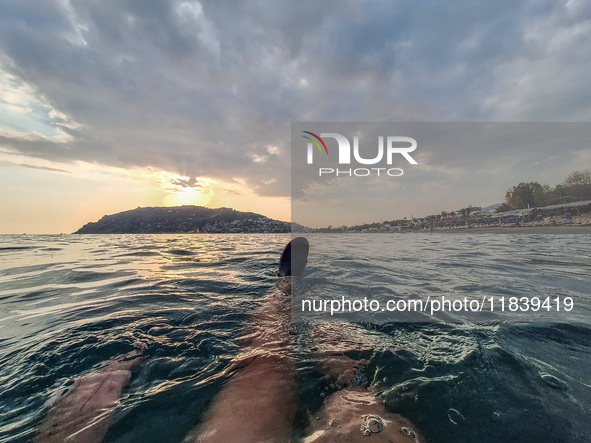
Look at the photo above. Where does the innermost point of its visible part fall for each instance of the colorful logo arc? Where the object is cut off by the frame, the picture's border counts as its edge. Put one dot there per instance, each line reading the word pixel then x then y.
pixel 315 142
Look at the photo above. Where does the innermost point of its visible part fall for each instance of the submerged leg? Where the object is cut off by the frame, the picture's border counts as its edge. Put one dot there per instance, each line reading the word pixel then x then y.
pixel 259 402
pixel 354 411
pixel 85 411
pixel 350 414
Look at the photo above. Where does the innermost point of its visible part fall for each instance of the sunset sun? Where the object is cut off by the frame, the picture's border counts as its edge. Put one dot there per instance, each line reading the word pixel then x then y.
pixel 197 197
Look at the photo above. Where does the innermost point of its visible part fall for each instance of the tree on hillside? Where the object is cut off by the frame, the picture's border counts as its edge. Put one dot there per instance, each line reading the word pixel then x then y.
pixel 578 184
pixel 526 195
pixel 578 178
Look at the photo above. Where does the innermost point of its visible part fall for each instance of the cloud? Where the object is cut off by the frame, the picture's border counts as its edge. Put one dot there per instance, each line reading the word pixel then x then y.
pixel 188 183
pixel 42 168
pixel 209 89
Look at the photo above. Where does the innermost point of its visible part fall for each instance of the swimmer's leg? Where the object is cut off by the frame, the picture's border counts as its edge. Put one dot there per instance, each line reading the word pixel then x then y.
pixel 259 402
pixel 355 410
pixel 350 414
pixel 84 413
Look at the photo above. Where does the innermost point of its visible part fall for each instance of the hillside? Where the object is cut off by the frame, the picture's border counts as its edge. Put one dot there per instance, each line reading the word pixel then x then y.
pixel 183 219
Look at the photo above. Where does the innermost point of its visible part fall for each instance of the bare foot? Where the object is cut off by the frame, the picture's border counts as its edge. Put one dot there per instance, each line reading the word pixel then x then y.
pixel 351 414
pixel 84 412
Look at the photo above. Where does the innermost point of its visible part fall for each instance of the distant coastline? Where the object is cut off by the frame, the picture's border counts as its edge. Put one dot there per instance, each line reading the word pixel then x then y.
pixel 570 218
pixel 573 214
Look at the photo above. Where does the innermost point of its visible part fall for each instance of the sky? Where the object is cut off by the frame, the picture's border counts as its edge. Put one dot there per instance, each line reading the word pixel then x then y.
pixel 110 105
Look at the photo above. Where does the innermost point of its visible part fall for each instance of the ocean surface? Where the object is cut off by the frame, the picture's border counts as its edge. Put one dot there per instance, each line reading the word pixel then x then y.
pixel 70 302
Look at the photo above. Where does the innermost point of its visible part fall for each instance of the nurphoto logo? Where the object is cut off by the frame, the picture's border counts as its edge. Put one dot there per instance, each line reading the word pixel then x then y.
pixel 394 145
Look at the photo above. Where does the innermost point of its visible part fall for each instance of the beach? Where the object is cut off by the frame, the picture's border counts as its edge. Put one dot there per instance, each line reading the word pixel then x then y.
pixel 564 229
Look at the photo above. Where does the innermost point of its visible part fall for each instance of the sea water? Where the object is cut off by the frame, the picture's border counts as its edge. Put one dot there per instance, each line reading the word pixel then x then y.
pixel 70 302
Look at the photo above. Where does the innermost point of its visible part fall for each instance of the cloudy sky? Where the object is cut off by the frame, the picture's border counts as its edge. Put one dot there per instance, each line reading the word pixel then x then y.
pixel 110 105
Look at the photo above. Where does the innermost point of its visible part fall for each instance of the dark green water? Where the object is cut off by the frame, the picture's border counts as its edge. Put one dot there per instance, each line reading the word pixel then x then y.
pixel 68 303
